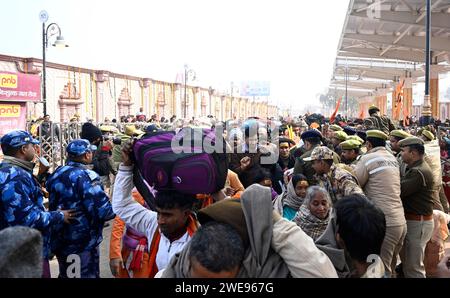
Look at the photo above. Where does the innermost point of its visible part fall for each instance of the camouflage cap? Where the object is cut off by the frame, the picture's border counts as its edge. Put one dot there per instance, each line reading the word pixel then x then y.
pixel 18 138
pixel 355 138
pixel 340 135
pixel 320 153
pixel 79 147
pixel 400 134
pixel 335 127
pixel 378 134
pixel 428 134
pixel 350 144
pixel 410 141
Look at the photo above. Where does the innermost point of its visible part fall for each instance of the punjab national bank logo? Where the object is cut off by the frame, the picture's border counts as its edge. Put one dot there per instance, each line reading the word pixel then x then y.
pixel 9 111
pixel 8 80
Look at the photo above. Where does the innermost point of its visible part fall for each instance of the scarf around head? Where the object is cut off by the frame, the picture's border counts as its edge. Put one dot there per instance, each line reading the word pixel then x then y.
pixel 288 198
pixel 310 224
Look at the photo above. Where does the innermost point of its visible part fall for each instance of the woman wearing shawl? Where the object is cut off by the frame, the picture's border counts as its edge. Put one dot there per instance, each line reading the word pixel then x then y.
pixel 288 203
pixel 314 214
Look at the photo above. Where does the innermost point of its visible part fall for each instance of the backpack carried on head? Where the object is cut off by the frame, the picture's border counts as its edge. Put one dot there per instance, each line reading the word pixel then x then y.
pixel 188 162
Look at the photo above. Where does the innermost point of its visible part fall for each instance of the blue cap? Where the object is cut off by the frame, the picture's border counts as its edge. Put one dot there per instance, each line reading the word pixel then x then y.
pixel 18 138
pixel 80 146
pixel 152 128
pixel 350 130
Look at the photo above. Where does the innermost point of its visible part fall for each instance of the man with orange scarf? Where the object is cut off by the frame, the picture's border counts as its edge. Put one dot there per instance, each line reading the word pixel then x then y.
pixel 166 231
pixel 123 248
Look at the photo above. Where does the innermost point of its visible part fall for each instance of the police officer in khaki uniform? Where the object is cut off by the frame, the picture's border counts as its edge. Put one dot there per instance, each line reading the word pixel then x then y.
pixel 378 122
pixel 378 174
pixel 336 140
pixel 417 198
pixel 394 138
pixel 350 152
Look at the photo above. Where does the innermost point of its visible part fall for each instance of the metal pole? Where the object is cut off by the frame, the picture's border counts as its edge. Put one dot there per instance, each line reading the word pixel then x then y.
pixel 210 108
pixel 44 87
pixel 185 93
pixel 346 90
pixel 426 110
pixel 427 50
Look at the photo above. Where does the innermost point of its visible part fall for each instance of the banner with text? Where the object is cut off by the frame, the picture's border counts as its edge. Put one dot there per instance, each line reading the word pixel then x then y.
pixel 255 88
pixel 12 117
pixel 20 87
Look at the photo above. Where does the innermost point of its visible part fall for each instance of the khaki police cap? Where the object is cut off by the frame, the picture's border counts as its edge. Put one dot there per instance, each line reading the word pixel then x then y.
pixel 428 134
pixel 335 127
pixel 376 134
pixel 355 138
pixel 350 144
pixel 400 134
pixel 340 135
pixel 410 141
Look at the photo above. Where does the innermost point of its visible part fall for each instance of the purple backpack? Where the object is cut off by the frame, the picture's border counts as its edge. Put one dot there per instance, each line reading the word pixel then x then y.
pixel 187 162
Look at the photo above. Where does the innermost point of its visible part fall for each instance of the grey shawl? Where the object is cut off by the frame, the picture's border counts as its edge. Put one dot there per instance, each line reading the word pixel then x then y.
pixel 260 260
pixel 313 226
pixel 288 198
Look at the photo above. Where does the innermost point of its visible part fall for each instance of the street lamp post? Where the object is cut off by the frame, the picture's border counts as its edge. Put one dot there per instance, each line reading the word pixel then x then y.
pixel 47 32
pixel 426 110
pixel 210 91
pixel 346 90
pixel 187 72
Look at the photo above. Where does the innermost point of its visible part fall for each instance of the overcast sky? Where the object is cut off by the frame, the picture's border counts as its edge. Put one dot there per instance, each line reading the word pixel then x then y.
pixel 291 43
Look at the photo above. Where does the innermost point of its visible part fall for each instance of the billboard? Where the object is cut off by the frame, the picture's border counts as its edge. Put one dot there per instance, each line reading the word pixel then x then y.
pixel 20 87
pixel 12 117
pixel 255 88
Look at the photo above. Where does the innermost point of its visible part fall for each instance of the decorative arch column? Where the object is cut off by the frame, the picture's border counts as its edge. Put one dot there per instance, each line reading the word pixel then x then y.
pixel 124 103
pixel 69 102
pixel 145 100
pixel 100 78
pixel 203 104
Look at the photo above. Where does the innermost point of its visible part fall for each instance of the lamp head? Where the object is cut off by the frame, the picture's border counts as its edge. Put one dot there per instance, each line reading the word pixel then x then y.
pixel 60 42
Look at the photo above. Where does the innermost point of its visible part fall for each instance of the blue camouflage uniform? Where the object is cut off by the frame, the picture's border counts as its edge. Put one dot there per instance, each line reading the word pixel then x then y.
pixel 73 186
pixel 21 196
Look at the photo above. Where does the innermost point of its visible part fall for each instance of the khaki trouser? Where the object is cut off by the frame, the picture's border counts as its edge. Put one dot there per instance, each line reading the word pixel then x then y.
pixel 413 252
pixel 392 244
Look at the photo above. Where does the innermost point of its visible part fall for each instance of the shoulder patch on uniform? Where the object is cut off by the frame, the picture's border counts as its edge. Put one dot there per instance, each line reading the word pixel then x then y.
pixel 424 182
pixel 93 175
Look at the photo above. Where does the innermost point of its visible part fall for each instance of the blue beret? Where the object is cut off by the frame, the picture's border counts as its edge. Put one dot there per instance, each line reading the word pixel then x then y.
pixel 312 133
pixel 79 147
pixel 18 138
pixel 350 130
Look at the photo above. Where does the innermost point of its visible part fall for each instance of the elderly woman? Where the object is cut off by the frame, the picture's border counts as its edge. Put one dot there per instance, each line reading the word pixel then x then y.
pixel 289 202
pixel 314 214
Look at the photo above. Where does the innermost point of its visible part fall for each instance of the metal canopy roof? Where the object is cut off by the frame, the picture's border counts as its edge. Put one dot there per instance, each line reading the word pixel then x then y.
pixel 384 40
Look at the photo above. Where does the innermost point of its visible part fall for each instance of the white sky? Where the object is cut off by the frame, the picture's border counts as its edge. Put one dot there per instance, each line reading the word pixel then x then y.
pixel 291 43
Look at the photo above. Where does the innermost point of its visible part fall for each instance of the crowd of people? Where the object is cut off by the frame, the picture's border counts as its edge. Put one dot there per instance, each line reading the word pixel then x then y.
pixel 343 198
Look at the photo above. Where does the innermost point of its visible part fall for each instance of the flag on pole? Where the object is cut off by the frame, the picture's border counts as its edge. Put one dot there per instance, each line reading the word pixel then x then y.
pixel 398 100
pixel 333 116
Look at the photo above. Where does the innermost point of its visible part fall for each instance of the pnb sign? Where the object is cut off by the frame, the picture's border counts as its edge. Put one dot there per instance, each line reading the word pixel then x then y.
pixel 255 88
